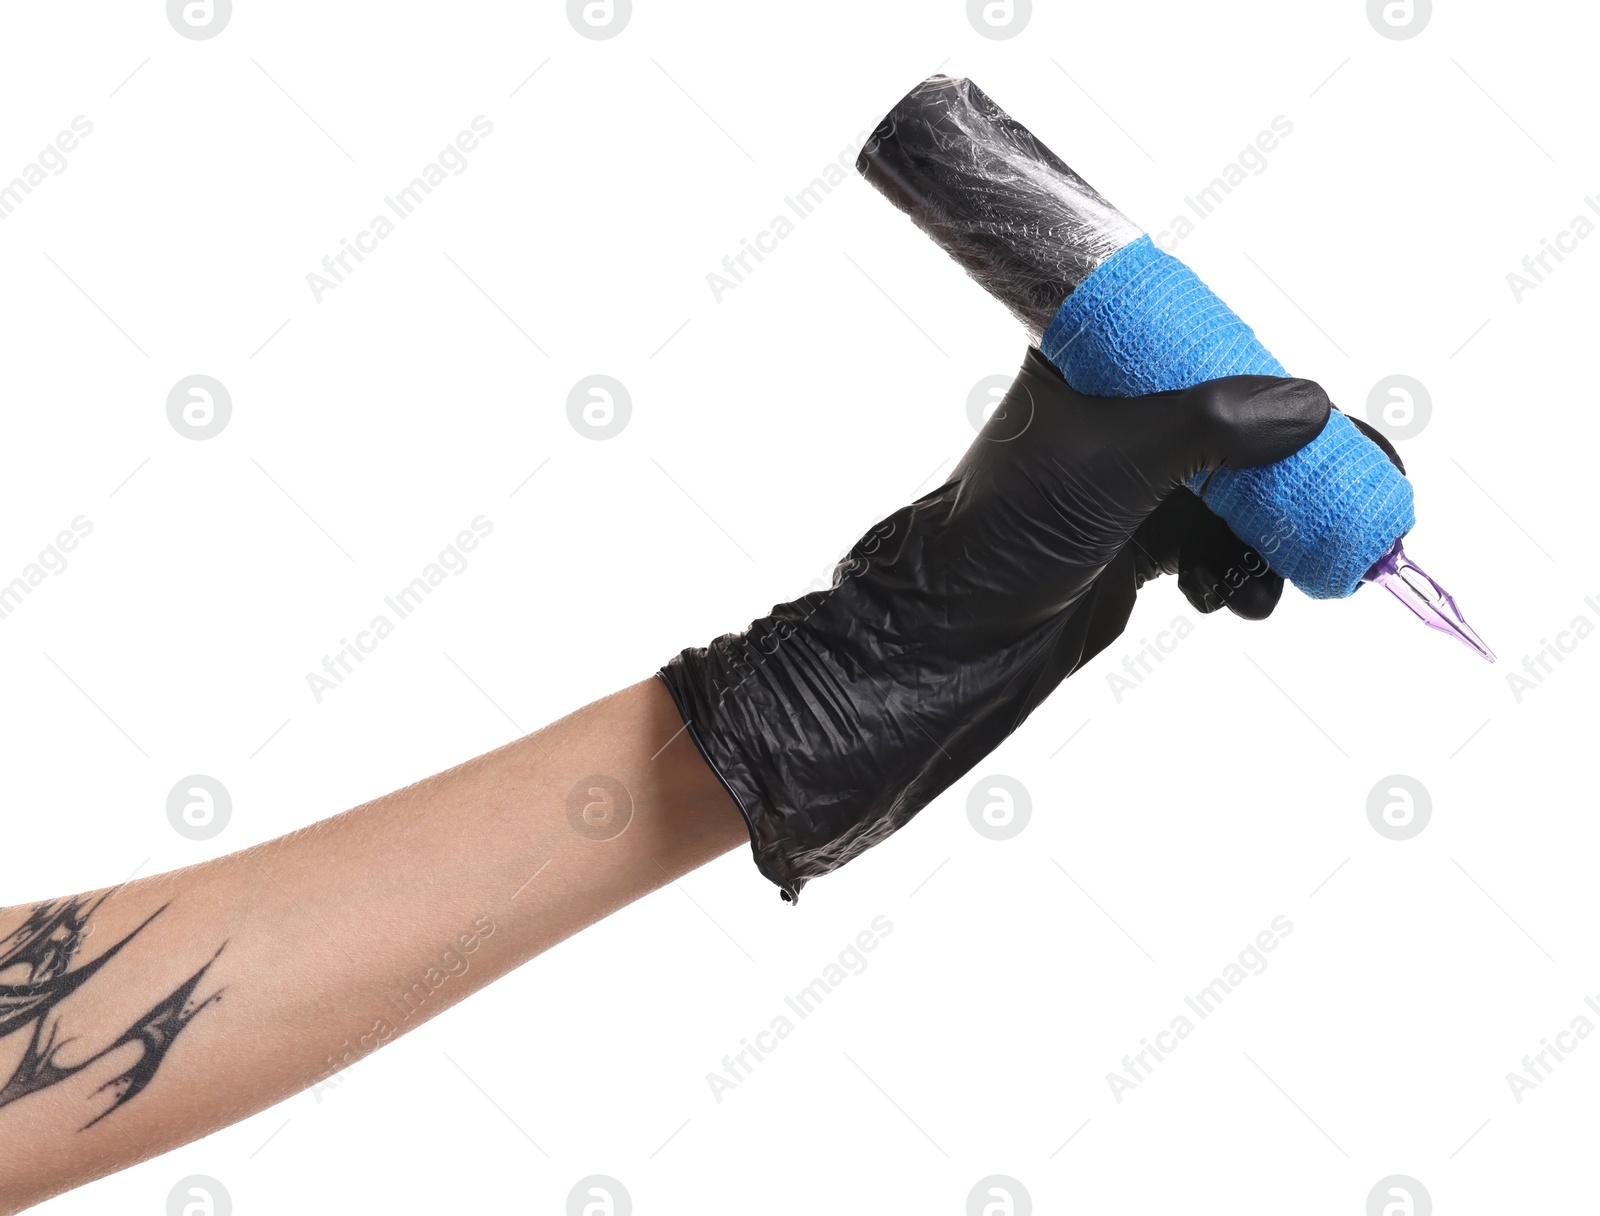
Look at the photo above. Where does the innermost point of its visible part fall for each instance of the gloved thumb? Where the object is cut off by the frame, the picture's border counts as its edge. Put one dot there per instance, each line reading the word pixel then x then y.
pixel 1163 439
pixel 1237 422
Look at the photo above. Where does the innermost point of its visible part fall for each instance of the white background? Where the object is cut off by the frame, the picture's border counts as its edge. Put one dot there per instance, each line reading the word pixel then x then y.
pixel 768 430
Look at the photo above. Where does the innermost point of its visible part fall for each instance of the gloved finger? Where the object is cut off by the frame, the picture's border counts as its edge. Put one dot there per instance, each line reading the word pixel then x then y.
pixel 1157 542
pixel 1379 438
pixel 1215 568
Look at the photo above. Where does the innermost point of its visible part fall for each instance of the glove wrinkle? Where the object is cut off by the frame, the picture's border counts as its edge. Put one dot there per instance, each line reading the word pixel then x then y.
pixel 836 718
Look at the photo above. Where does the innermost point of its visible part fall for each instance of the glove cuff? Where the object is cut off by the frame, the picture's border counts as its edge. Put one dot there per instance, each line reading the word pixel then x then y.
pixel 730 766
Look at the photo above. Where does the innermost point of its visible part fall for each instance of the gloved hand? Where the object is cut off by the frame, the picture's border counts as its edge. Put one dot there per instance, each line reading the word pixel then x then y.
pixel 836 718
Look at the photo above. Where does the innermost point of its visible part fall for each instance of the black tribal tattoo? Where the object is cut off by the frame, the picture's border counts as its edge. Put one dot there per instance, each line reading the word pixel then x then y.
pixel 37 960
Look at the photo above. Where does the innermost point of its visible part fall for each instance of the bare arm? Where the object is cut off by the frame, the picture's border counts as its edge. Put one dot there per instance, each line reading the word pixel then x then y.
pixel 137 1019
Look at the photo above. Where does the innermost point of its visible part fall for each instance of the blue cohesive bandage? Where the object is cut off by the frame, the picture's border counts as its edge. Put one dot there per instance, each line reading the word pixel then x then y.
pixel 1142 322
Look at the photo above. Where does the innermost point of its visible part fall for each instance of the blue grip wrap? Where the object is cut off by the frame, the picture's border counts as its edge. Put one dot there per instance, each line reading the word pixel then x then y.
pixel 1143 322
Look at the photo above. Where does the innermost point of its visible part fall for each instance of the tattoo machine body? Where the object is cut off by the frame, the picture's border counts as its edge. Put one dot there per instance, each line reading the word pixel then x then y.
pixel 1120 317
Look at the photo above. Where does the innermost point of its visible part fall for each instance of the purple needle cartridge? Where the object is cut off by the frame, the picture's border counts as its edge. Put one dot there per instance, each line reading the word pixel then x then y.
pixel 1417 590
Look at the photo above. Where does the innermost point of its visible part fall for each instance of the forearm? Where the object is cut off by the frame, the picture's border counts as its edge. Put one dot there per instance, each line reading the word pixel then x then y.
pixel 233 984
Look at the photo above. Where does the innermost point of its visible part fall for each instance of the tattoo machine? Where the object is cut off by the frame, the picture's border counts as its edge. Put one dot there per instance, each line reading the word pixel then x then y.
pixel 1120 317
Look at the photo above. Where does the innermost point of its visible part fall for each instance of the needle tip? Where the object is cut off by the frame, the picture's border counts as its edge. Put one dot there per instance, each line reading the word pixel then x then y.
pixel 1431 603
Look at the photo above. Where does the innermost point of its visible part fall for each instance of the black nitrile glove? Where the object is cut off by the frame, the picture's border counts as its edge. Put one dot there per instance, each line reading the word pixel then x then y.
pixel 838 717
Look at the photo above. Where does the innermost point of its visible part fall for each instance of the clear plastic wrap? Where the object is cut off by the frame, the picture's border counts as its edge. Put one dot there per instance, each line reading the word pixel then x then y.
pixel 1016 216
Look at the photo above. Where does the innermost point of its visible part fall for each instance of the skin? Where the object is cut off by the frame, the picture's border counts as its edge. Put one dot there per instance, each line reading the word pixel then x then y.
pixel 209 993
